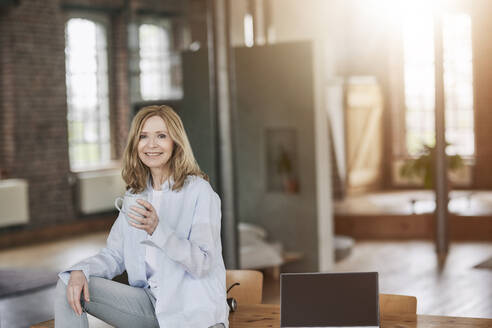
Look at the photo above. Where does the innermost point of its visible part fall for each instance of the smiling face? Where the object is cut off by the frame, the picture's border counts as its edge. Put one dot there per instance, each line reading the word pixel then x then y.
pixel 155 146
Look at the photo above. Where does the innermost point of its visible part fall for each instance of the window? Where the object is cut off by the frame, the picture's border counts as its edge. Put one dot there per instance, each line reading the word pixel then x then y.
pixel 160 73
pixel 248 30
pixel 418 45
pixel 87 93
pixel 458 84
pixel 419 82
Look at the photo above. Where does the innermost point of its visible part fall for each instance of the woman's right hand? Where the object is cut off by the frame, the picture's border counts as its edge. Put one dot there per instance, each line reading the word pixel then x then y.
pixel 76 285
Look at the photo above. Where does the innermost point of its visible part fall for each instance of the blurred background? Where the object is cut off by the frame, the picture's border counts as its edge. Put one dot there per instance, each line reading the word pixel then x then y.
pixel 316 121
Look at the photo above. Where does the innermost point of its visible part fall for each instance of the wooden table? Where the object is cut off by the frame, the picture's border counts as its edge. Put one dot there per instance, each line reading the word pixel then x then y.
pixel 267 315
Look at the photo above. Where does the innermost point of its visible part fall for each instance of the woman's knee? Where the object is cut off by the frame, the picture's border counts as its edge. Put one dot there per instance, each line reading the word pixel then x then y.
pixel 61 302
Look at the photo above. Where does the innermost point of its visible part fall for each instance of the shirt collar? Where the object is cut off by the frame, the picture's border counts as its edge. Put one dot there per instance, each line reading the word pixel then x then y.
pixel 166 186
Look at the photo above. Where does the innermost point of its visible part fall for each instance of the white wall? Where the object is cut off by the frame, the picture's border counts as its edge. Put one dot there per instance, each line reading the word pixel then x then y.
pixel 322 22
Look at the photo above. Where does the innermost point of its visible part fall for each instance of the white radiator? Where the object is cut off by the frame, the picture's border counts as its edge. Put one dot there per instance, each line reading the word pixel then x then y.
pixel 14 202
pixel 97 190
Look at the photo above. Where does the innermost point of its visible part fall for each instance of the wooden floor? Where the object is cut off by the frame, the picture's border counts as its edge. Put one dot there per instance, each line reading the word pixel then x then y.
pixel 405 267
pixel 410 268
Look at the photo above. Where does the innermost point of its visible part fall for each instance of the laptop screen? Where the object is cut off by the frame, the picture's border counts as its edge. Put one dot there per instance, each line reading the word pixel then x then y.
pixel 329 299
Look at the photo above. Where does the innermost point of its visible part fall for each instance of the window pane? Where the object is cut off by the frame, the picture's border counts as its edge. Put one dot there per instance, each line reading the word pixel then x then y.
pixel 87 93
pixel 458 85
pixel 420 85
pixel 419 80
pixel 157 65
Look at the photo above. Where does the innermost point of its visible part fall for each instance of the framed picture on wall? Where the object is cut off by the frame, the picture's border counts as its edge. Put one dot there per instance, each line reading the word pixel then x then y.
pixel 282 160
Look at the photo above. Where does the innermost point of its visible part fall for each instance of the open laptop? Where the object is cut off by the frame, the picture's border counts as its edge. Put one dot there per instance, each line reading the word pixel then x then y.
pixel 329 299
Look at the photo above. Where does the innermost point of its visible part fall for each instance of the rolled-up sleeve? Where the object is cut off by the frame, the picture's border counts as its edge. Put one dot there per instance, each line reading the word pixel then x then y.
pixel 108 263
pixel 196 253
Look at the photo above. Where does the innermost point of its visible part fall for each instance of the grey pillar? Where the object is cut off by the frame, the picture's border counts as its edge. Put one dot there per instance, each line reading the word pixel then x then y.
pixel 441 178
pixel 221 70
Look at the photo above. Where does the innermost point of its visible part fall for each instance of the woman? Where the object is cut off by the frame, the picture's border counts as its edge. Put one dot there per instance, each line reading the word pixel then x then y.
pixel 171 252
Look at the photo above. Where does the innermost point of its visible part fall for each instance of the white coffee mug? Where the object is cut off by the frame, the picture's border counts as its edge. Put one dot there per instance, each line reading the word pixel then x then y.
pixel 127 201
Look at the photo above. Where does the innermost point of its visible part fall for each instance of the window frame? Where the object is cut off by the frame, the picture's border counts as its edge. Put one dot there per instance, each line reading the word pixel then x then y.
pixel 166 22
pixel 467 158
pixel 398 106
pixel 104 20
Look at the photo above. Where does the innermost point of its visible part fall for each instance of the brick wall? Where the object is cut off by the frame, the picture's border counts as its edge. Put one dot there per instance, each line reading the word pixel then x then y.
pixel 6 99
pixel 34 107
pixel 120 100
pixel 34 130
pixel 94 4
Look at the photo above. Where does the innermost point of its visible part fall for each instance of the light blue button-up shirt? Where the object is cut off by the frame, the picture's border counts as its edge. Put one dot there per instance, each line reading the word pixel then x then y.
pixel 190 270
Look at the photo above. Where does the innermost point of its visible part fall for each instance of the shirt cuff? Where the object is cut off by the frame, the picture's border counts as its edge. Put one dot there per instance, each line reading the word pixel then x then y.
pixel 65 275
pixel 160 236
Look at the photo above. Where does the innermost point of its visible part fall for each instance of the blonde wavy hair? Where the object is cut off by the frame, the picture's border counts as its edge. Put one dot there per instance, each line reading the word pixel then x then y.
pixel 182 162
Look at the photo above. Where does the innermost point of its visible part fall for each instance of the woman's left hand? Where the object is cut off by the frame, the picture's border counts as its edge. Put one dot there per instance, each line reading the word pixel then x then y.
pixel 150 219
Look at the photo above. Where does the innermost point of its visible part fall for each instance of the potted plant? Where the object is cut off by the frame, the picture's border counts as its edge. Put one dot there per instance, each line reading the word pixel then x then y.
pixel 422 166
pixel 285 169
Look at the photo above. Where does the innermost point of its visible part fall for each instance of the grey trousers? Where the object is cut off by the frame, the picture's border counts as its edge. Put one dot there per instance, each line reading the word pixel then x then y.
pixel 116 304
